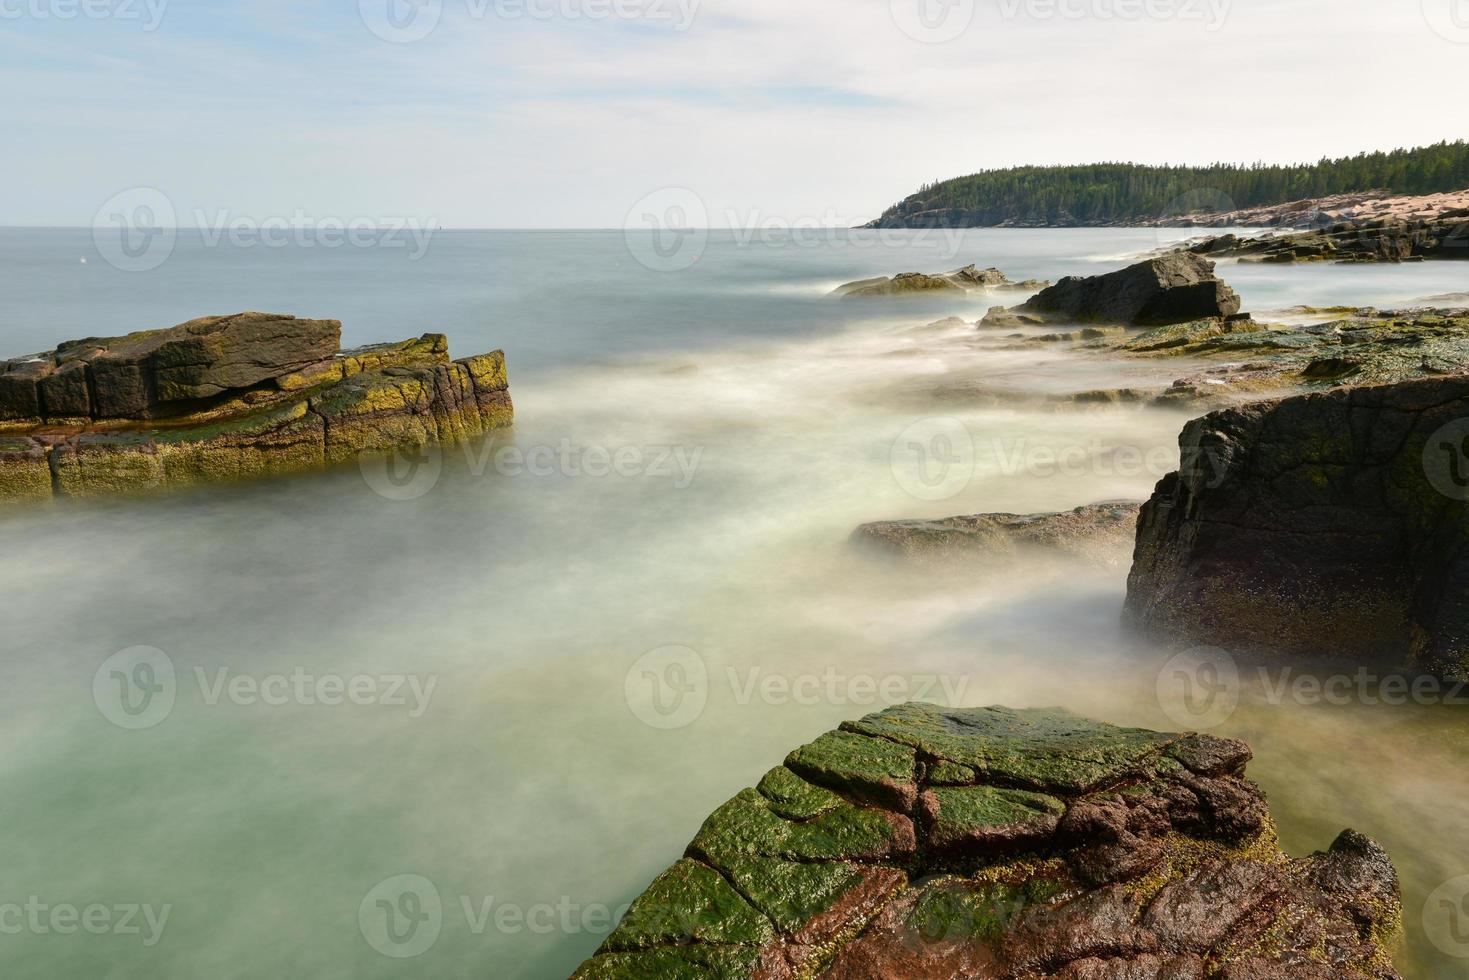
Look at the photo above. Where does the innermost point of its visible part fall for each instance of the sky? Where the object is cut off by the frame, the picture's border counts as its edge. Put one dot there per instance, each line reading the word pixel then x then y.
pixel 571 113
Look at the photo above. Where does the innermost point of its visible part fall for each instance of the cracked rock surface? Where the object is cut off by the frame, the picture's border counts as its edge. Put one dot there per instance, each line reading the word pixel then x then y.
pixel 995 844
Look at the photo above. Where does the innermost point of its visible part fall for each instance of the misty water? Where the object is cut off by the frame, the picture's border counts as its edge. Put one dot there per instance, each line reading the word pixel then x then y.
pixel 535 588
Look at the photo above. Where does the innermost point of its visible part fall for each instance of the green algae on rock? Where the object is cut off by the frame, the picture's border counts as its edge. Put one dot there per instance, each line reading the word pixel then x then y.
pixel 231 397
pixel 1036 843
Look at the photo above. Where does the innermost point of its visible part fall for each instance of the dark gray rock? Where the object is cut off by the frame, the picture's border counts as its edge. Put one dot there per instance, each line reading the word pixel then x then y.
pixel 1329 525
pixel 156 372
pixel 1172 288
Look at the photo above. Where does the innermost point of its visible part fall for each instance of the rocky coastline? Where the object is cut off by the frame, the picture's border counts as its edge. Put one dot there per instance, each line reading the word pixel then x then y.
pixel 1319 510
pixel 226 398
pixel 1358 208
pixel 924 842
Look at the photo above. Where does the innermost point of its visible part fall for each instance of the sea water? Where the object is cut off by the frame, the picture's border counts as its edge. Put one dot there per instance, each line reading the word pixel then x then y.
pixel 522 672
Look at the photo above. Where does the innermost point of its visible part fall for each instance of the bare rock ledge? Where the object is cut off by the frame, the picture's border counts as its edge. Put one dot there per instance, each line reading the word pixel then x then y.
pixel 230 397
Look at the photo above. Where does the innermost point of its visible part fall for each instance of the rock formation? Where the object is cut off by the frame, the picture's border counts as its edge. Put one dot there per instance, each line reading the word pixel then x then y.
pixel 1173 288
pixel 968 279
pixel 1329 525
pixel 1092 532
pixel 228 397
pixel 1375 240
pixel 994 844
pixel 1262 360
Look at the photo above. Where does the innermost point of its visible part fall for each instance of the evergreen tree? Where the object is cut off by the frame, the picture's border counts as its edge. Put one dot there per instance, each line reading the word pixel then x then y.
pixel 1125 192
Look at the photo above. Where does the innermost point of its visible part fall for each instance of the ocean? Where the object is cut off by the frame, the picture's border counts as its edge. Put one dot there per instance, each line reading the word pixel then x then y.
pixel 523 672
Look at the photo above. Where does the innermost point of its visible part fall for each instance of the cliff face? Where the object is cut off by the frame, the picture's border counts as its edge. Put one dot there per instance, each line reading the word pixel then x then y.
pixel 996 844
pixel 1328 525
pixel 230 397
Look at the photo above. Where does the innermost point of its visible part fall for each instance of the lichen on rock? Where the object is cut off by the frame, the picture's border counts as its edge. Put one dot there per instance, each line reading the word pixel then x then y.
pixel 226 398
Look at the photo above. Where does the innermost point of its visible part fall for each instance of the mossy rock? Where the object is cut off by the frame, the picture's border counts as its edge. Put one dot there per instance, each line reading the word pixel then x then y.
pixel 990 879
pixel 690 903
pixel 794 798
pixel 695 962
pixel 750 825
pixel 864 767
pixel 1049 750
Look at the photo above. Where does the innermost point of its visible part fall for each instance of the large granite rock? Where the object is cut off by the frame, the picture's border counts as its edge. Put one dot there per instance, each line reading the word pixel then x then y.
pixel 968 279
pixel 1093 532
pixel 994 844
pixel 230 397
pixel 1329 525
pixel 1172 288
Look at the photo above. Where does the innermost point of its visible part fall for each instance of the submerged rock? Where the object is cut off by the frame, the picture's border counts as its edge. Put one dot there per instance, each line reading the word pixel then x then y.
pixel 1330 525
pixel 1096 531
pixel 994 844
pixel 228 397
pixel 1172 288
pixel 960 280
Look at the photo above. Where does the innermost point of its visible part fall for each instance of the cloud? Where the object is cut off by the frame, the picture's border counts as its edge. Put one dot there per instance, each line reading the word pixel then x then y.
pixel 794 110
